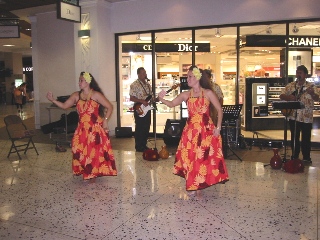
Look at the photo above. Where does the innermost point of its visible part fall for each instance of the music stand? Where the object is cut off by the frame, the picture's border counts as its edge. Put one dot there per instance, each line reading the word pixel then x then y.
pixel 286 107
pixel 230 113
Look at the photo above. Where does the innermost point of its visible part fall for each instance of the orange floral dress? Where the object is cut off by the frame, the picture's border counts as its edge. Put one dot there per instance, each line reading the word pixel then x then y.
pixel 199 157
pixel 91 148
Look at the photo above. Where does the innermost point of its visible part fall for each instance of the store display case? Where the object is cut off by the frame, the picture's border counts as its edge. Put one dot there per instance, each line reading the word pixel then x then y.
pixel 166 83
pixel 269 118
pixel 259 95
pixel 274 94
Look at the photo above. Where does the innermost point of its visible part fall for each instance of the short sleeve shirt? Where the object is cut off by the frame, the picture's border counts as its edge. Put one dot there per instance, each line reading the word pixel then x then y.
pixel 217 90
pixel 140 90
pixel 306 114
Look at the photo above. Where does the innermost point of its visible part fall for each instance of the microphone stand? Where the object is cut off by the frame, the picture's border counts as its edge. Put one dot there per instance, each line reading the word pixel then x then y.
pixel 297 95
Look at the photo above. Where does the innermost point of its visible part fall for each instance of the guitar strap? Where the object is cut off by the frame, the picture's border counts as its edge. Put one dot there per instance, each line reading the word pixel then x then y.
pixel 144 91
pixel 299 91
pixel 144 88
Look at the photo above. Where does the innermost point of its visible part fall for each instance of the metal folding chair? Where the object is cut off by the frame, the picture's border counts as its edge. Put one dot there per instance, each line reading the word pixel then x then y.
pixel 18 131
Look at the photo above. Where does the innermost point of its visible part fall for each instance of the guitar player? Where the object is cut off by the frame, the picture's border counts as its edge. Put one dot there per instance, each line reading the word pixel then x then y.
pixel 301 121
pixel 140 93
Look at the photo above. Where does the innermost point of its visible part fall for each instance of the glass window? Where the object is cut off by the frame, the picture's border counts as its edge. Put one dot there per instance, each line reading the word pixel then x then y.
pixel 261 61
pixel 134 51
pixel 173 56
pixel 220 58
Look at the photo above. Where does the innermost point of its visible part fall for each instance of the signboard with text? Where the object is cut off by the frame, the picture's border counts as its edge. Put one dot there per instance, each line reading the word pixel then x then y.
pixel 69 12
pixel 280 41
pixel 10 31
pixel 165 47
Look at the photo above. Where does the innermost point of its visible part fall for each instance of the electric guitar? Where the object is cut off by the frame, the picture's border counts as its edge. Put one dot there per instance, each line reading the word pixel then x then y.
pixel 142 110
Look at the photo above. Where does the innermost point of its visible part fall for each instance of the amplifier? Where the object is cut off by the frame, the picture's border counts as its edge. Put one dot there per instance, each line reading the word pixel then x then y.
pixel 125 132
pixel 173 130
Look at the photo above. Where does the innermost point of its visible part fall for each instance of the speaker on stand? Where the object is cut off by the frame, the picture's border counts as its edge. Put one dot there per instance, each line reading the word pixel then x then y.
pixel 172 131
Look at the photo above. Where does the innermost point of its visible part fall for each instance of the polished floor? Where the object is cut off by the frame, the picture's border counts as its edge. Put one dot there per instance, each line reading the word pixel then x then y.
pixel 41 199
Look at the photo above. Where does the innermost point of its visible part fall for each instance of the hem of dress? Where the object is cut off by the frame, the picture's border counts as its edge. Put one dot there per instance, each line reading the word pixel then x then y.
pixel 78 174
pixel 221 182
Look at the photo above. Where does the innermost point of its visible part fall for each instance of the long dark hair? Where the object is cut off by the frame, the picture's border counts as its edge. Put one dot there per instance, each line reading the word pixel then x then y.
pixel 95 86
pixel 204 83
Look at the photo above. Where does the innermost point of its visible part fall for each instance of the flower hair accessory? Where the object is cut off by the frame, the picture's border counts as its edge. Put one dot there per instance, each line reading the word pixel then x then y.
pixel 87 77
pixel 196 72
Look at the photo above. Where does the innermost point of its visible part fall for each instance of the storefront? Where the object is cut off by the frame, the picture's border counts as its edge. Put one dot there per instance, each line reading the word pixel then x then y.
pixel 261 53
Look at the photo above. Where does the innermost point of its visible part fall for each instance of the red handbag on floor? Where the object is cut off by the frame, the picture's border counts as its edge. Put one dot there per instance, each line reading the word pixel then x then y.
pixel 293 166
pixel 151 154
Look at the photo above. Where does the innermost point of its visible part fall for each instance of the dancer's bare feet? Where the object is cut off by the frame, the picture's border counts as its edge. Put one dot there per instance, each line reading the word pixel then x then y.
pixel 191 193
pixel 92 180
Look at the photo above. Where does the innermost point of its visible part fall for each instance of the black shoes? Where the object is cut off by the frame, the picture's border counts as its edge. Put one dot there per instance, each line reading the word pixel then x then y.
pixel 307 161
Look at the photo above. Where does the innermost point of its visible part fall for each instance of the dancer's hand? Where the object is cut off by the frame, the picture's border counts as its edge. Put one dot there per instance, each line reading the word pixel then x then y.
pixel 105 126
pixel 161 94
pixel 216 131
pixel 50 96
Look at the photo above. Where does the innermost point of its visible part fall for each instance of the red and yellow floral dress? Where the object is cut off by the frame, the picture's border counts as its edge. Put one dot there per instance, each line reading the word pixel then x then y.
pixel 91 148
pixel 199 156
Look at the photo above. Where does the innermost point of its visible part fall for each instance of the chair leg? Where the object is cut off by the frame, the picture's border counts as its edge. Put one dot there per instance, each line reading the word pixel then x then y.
pixel 27 147
pixel 34 146
pixel 10 150
pixel 16 149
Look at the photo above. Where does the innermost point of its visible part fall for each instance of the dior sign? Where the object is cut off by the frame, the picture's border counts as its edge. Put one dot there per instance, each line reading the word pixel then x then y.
pixel 68 12
pixel 165 47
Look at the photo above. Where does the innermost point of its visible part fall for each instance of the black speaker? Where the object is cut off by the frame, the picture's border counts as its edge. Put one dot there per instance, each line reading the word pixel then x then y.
pixel 184 84
pixel 173 130
pixel 122 132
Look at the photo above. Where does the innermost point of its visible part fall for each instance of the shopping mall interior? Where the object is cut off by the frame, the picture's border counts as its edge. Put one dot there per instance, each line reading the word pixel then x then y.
pixel 42 199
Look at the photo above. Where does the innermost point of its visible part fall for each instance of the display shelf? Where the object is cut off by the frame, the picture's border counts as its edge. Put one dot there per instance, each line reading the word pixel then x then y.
pixel 274 95
pixel 229 75
pixel 165 83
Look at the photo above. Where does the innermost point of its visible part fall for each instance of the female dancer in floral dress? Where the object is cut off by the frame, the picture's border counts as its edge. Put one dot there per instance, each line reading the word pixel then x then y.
pixel 91 148
pixel 199 157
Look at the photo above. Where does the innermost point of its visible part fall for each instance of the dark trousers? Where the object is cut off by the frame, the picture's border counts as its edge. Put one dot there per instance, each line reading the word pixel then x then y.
pixel 19 106
pixel 142 130
pixel 305 144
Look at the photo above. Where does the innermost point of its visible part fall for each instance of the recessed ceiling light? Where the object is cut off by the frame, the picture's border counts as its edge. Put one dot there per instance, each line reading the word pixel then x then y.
pixel 310 27
pixel 28 29
pixel 8 45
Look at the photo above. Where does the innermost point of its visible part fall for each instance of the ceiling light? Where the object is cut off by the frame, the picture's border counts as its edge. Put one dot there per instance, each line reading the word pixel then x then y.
pixel 309 27
pixel 147 38
pixel 295 29
pixel 218 33
pixel 268 31
pixel 8 45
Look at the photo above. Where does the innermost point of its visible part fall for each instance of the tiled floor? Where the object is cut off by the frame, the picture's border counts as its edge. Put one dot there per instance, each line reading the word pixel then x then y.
pixel 40 199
